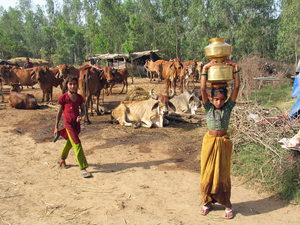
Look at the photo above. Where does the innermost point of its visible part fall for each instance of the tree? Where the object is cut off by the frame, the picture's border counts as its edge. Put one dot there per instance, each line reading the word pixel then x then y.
pixel 289 32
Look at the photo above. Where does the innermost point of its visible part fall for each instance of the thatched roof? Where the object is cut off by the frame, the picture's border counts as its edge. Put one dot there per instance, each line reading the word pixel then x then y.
pixel 135 55
pixel 36 62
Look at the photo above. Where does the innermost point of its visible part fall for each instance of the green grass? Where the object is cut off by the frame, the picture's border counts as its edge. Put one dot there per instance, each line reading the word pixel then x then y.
pixel 280 97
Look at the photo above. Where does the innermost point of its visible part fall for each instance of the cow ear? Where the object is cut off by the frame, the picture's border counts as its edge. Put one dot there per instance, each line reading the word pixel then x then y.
pixel 172 106
pixel 32 73
pixel 155 106
pixel 191 99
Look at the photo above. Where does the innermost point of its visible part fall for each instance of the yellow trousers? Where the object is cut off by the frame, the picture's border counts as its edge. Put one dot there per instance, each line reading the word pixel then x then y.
pixel 215 169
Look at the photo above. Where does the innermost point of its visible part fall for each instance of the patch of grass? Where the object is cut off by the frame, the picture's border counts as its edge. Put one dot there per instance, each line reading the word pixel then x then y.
pixel 256 164
pixel 280 96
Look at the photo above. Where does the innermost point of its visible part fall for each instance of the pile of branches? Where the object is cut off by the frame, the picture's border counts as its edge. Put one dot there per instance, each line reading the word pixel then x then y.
pixel 257 129
pixel 254 67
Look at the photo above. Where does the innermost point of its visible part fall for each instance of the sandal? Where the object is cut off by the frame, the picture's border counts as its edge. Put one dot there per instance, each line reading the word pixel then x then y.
pixel 228 213
pixel 62 163
pixel 86 174
pixel 204 210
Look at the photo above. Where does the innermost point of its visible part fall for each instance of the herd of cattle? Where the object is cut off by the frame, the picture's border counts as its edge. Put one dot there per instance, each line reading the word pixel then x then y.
pixel 91 81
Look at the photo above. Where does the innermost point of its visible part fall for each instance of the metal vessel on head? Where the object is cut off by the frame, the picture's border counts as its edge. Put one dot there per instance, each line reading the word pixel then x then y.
pixel 220 74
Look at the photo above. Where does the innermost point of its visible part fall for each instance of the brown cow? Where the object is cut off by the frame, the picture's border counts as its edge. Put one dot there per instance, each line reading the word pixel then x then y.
pixel 3 71
pixel 199 68
pixel 119 77
pixel 190 67
pixel 169 72
pixel 65 71
pixel 147 113
pixel 20 100
pixel 26 77
pixel 154 67
pixel 91 82
pixel 47 79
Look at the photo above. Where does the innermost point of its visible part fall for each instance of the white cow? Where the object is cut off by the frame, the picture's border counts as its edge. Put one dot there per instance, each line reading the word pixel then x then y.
pixel 148 113
pixel 185 103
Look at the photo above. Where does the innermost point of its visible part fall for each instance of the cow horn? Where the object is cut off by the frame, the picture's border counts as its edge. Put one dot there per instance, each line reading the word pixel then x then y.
pixel 151 94
pixel 187 87
pixel 173 94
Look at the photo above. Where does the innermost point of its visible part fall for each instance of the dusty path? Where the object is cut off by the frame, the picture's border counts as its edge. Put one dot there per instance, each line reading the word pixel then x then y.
pixel 141 176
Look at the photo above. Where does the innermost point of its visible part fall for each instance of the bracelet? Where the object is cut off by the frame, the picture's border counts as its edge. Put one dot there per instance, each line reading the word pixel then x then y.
pixel 203 74
pixel 237 71
pixel 57 119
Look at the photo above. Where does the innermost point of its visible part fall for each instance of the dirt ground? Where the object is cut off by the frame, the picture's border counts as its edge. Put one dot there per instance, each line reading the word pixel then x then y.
pixel 140 176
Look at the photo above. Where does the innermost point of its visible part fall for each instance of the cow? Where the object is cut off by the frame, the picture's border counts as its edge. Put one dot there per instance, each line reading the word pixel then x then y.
pixel 108 74
pixel 199 68
pixel 190 67
pixel 148 113
pixel 64 71
pixel 91 81
pixel 119 77
pixel 20 100
pixel 169 72
pixel 26 77
pixel 47 79
pixel 186 103
pixel 3 71
pixel 154 67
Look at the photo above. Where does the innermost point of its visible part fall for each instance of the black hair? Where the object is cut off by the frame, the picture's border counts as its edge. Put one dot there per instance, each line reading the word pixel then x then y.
pixel 222 91
pixel 69 78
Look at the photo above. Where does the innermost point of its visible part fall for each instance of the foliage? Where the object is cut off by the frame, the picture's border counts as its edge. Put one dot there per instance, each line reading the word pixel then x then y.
pixel 78 29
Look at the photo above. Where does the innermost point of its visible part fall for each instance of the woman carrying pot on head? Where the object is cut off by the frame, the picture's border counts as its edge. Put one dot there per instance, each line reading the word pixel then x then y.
pixel 216 146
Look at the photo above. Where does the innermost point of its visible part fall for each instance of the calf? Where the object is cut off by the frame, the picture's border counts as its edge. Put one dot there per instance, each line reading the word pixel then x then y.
pixel 46 78
pixel 190 67
pixel 154 67
pixel 20 100
pixel 169 72
pixel 119 77
pixel 148 113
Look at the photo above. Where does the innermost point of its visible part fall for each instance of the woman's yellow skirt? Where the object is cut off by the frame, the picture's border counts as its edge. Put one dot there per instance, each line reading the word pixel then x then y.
pixel 215 169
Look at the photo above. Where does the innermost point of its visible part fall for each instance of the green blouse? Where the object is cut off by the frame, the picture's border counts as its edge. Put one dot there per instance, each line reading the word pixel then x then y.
pixel 218 120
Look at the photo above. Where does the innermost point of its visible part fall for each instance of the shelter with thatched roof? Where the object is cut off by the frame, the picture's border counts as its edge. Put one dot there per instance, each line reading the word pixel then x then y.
pixel 36 62
pixel 119 61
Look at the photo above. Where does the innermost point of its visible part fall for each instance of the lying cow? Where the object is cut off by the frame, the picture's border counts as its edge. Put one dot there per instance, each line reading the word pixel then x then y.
pixel 186 103
pixel 148 113
pixel 20 100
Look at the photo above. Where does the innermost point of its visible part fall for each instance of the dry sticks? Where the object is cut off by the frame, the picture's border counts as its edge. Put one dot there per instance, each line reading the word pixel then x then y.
pixel 257 129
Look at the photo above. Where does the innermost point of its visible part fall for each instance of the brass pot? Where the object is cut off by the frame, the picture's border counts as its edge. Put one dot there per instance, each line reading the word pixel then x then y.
pixel 219 73
pixel 218 48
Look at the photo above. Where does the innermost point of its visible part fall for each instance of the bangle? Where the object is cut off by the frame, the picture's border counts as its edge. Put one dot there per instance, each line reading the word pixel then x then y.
pixel 236 72
pixel 203 74
pixel 57 119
